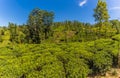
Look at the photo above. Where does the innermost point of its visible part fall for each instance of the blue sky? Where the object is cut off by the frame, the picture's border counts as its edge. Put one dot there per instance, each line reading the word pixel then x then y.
pixel 17 11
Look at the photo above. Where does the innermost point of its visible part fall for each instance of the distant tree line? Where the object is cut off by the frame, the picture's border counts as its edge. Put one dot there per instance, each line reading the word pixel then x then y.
pixel 41 28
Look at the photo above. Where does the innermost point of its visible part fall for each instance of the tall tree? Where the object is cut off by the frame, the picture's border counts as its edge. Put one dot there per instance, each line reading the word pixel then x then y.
pixel 101 13
pixel 47 21
pixel 39 24
pixel 13 32
pixel 34 24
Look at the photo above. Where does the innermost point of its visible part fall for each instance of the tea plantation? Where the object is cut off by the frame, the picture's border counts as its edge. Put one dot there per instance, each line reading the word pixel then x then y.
pixel 62 60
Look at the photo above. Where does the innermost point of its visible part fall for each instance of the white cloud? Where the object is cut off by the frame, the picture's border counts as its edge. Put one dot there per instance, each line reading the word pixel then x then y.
pixel 83 3
pixel 115 8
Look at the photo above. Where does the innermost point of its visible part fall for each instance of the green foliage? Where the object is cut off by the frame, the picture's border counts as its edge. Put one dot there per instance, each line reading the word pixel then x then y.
pixel 101 12
pixel 71 60
pixel 70 49
pixel 76 68
pixel 39 23
pixel 102 62
pixel 116 37
pixel 40 61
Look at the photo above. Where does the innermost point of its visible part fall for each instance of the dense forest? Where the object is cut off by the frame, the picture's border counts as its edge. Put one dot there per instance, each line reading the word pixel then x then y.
pixel 42 48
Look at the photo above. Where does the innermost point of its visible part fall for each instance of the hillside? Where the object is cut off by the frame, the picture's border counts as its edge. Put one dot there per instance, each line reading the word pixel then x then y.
pixel 63 60
pixel 66 43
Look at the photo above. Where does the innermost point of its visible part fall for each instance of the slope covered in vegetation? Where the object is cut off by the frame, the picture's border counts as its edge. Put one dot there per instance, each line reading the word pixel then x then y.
pixel 42 48
pixel 63 60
